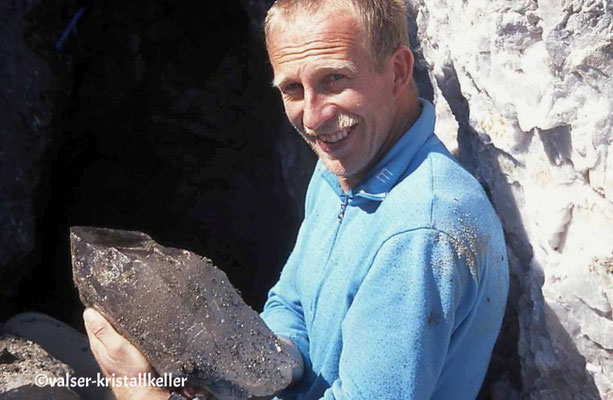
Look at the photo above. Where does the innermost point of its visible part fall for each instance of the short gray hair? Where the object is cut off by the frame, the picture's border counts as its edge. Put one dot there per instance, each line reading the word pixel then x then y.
pixel 384 21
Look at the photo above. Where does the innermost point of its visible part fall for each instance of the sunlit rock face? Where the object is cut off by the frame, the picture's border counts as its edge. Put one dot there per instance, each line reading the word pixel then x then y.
pixel 180 311
pixel 524 97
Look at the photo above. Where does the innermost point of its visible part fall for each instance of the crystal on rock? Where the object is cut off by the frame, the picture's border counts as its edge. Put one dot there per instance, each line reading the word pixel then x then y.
pixel 180 311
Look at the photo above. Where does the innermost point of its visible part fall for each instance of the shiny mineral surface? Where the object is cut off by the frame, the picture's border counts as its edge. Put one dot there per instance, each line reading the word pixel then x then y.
pixel 180 311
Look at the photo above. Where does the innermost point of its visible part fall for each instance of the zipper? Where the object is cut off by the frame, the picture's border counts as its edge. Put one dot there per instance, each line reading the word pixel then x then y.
pixel 341 213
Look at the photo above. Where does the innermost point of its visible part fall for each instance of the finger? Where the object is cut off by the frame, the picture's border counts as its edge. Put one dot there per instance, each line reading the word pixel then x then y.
pixel 190 391
pixel 99 327
pixel 107 345
pixel 96 346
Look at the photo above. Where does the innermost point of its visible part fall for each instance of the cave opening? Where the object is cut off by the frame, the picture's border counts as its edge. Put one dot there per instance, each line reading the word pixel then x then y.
pixel 171 128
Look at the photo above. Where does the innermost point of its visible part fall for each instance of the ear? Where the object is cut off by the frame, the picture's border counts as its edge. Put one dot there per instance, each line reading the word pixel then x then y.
pixel 402 64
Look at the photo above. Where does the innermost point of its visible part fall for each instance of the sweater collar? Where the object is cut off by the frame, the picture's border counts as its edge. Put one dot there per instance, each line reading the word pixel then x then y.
pixel 385 174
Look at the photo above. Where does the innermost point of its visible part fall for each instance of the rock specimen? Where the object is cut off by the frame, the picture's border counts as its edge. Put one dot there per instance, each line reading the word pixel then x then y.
pixel 524 96
pixel 26 370
pixel 180 311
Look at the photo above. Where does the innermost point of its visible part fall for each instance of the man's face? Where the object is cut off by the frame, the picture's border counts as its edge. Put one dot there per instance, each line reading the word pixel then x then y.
pixel 331 91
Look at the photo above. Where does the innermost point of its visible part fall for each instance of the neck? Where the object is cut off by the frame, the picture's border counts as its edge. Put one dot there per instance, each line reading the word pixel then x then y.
pixel 406 118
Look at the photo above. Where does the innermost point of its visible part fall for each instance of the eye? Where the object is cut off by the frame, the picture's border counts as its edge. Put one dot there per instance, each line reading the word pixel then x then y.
pixel 333 81
pixel 291 88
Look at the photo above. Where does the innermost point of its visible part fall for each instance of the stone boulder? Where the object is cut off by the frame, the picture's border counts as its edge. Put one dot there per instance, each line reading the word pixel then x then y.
pixel 180 311
pixel 26 370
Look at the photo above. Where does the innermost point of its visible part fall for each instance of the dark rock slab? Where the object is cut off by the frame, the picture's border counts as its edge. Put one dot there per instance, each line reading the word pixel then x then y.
pixel 180 311
pixel 21 362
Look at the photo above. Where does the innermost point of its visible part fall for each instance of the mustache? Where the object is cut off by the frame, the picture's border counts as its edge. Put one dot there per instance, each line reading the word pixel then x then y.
pixel 339 122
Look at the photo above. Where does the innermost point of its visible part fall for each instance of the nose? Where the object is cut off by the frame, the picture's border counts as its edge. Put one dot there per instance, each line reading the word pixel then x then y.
pixel 317 110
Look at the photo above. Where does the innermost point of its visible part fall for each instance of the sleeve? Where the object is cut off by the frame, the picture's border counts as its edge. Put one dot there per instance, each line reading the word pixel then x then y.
pixel 397 331
pixel 283 312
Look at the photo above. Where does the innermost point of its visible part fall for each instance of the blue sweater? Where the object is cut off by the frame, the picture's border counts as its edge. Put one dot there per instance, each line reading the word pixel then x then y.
pixel 395 290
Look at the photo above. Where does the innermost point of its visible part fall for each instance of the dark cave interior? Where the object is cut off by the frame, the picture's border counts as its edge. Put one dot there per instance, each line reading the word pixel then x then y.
pixel 169 127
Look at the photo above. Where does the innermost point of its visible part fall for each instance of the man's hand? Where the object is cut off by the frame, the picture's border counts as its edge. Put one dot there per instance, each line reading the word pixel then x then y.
pixel 298 361
pixel 116 355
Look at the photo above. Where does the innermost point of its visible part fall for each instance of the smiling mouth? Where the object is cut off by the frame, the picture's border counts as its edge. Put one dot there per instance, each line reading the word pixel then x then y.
pixel 336 137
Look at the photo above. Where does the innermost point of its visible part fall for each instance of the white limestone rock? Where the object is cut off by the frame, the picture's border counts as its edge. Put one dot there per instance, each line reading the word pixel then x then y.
pixel 530 85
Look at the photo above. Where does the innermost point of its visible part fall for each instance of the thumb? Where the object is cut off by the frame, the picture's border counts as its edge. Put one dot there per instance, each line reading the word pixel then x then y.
pixel 113 352
pixel 97 326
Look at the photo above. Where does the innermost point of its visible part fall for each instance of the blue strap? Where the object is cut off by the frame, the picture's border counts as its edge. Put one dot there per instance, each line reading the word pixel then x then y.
pixel 70 27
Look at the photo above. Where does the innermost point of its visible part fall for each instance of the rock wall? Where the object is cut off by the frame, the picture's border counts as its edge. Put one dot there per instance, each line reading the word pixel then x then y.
pixel 34 86
pixel 524 97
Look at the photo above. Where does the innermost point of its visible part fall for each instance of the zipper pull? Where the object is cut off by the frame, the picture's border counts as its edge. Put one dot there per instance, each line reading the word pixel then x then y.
pixel 342 211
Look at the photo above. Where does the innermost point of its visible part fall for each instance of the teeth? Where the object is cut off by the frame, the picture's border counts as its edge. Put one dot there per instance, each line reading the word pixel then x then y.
pixel 335 137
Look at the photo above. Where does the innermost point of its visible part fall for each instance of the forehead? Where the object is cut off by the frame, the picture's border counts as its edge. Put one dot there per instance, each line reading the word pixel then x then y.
pixel 330 36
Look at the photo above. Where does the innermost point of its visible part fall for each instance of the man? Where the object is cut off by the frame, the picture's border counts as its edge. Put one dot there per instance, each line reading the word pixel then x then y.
pixel 397 284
